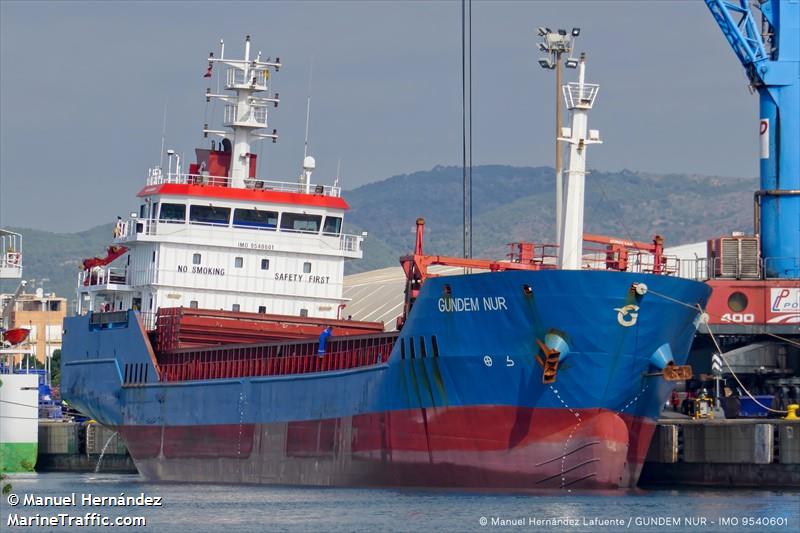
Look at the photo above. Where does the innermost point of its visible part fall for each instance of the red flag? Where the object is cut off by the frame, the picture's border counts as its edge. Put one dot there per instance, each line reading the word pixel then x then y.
pixel 208 72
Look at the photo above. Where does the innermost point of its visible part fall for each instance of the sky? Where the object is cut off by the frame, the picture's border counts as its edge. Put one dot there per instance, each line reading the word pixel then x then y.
pixel 84 87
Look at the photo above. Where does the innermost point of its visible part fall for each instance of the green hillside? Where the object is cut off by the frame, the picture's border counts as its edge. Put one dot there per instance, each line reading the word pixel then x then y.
pixel 509 204
pixel 51 260
pixel 517 204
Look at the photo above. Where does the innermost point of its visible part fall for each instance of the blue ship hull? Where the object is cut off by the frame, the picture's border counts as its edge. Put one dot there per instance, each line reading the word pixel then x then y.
pixel 474 411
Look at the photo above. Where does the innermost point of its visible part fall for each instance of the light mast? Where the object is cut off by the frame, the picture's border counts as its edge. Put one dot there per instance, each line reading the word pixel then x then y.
pixel 245 113
pixel 579 98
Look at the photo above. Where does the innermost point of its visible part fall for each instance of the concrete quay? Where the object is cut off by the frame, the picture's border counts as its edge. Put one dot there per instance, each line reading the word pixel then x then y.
pixel 724 453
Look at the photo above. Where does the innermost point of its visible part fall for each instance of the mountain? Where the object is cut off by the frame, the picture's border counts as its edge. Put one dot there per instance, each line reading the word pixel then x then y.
pixel 508 204
pixel 511 204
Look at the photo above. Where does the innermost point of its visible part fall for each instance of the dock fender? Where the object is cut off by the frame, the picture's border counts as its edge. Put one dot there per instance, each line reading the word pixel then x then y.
pixel 662 356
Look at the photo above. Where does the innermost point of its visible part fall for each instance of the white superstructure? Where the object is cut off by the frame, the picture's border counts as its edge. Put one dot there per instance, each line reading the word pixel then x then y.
pixel 217 236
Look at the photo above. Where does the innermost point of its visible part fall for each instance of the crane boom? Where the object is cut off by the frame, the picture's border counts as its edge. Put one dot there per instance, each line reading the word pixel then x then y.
pixel 8 305
pixel 743 34
pixel 770 54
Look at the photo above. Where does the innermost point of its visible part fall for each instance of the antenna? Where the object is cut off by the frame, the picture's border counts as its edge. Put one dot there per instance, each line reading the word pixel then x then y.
pixel 338 172
pixel 163 135
pixel 466 120
pixel 308 107
pixel 245 112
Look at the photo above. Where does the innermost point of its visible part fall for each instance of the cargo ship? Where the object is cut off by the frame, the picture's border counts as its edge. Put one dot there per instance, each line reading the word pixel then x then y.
pixel 220 352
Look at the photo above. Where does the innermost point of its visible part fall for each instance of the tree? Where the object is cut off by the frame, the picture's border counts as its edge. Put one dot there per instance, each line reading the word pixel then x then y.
pixel 29 361
pixel 55 368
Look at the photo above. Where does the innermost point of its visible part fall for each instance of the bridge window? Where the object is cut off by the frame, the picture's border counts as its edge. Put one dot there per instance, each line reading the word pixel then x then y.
pixel 333 226
pixel 238 262
pixel 208 214
pixel 301 222
pixel 173 213
pixel 304 312
pixel 235 308
pixel 196 258
pixel 307 267
pixel 265 264
pixel 253 218
pixel 142 210
pixel 262 309
pixel 193 304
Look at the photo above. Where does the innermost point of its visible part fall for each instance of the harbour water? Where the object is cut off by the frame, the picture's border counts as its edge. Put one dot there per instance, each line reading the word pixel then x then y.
pixel 242 508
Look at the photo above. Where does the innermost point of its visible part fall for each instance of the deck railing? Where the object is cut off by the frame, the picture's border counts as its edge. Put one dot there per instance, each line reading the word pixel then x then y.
pixel 703 268
pixel 157 177
pixel 257 117
pixel 148 319
pixel 103 276
pixel 11 262
pixel 580 94
pixel 10 256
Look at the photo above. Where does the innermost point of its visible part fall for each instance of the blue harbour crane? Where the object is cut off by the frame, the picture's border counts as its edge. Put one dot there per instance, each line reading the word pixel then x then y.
pixel 769 50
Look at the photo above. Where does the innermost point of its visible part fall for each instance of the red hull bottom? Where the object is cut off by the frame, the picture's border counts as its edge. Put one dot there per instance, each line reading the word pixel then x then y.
pixel 494 447
pixel 640 433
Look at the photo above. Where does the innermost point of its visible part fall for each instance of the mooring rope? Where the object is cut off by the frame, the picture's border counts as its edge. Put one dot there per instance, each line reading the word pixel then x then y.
pixel 704 317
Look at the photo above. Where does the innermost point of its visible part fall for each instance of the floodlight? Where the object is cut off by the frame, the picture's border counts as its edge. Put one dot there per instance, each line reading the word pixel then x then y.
pixel 576 32
pixel 543 47
pixel 562 32
pixel 541 30
pixel 572 63
pixel 545 63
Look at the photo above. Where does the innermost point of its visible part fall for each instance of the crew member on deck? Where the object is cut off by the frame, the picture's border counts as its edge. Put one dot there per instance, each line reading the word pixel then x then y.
pixel 119 228
pixel 323 340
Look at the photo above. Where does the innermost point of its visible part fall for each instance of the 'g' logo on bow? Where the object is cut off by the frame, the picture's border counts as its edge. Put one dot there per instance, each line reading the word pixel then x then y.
pixel 627 315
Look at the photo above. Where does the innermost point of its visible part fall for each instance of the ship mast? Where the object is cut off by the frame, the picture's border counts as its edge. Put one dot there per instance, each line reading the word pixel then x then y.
pixel 245 112
pixel 579 98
